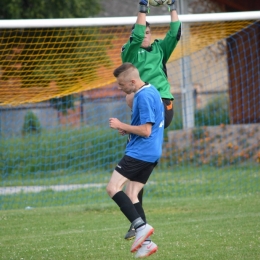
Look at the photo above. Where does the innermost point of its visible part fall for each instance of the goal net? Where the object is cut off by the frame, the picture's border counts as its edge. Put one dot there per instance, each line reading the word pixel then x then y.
pixel 57 92
pixel 43 59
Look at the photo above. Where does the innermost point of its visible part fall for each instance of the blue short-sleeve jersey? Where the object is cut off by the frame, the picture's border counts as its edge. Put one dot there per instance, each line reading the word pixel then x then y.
pixel 147 108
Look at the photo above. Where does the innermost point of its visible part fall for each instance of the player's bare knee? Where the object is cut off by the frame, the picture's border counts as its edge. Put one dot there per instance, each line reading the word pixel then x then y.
pixel 110 190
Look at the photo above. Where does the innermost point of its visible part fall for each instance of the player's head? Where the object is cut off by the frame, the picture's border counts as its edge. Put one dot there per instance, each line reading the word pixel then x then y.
pixel 147 38
pixel 128 77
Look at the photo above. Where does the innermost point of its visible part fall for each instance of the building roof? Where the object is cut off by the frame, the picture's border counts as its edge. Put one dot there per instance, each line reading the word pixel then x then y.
pixel 240 5
pixel 118 8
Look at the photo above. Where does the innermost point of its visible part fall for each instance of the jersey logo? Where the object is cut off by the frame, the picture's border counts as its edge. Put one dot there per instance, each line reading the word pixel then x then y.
pixel 161 124
pixel 169 107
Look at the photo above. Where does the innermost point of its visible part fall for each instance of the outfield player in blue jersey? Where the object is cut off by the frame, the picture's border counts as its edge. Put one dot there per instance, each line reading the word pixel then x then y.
pixel 141 154
pixel 150 59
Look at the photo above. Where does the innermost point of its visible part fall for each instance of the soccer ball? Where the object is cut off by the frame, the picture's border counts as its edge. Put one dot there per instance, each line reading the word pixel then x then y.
pixel 157 2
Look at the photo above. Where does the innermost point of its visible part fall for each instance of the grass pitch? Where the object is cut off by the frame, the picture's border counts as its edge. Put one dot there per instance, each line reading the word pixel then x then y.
pixel 210 227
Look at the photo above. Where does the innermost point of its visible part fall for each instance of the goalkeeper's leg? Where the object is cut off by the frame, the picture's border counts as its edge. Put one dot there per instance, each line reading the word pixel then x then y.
pixel 168 111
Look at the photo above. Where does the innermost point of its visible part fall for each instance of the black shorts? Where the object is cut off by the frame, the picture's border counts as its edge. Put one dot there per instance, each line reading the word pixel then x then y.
pixel 168 111
pixel 134 169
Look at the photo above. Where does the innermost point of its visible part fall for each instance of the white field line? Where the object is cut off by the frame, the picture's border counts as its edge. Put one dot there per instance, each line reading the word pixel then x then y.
pixel 35 189
pixel 65 187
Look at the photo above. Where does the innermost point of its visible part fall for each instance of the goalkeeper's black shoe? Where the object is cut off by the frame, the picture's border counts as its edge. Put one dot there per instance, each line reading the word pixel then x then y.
pixel 130 233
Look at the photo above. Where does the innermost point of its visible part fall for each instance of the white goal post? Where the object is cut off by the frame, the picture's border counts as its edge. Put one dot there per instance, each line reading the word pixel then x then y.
pixel 129 20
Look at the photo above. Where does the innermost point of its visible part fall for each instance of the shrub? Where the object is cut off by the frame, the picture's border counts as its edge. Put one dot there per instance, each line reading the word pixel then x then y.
pixel 31 124
pixel 198 133
pixel 214 113
pixel 61 151
pixel 63 104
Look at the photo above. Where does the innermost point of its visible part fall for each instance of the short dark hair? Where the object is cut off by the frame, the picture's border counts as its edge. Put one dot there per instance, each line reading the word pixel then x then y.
pixel 147 25
pixel 122 68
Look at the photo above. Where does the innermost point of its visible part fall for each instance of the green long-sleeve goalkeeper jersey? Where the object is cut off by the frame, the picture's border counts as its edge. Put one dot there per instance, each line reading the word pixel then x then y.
pixel 151 62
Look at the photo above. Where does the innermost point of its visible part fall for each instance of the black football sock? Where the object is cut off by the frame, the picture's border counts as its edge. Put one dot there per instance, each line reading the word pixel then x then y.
pixel 140 196
pixel 126 206
pixel 140 210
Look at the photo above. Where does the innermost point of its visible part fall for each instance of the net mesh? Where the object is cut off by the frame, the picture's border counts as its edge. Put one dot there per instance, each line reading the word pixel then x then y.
pixel 63 152
pixel 39 64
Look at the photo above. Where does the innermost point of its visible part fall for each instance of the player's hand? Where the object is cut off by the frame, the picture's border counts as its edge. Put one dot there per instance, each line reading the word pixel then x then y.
pixel 114 123
pixel 144 2
pixel 172 5
pixel 122 132
pixel 171 2
pixel 144 6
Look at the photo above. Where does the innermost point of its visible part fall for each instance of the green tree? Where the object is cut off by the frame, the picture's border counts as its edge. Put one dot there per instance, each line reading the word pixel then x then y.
pixel 63 104
pixel 34 9
pixel 44 55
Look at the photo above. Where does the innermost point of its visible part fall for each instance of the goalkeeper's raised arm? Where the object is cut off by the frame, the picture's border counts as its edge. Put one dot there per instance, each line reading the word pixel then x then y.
pixel 173 10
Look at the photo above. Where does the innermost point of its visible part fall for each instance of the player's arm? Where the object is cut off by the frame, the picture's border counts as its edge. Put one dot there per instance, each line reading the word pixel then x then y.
pixel 137 35
pixel 122 132
pixel 143 9
pixel 141 130
pixel 172 37
pixel 173 11
pixel 145 103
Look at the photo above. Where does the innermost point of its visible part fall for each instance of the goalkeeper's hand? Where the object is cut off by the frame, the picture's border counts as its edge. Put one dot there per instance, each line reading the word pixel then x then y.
pixel 144 6
pixel 144 2
pixel 171 4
